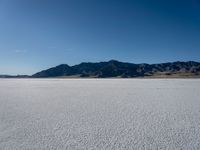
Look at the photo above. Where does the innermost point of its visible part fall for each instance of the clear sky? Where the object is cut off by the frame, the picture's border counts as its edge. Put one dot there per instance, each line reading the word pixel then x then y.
pixel 37 34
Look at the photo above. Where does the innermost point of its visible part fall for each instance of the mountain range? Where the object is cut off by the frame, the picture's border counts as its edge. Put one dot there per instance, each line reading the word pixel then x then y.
pixel 117 69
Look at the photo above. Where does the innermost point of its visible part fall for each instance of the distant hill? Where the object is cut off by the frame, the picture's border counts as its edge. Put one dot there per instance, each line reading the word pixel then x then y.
pixel 14 76
pixel 118 69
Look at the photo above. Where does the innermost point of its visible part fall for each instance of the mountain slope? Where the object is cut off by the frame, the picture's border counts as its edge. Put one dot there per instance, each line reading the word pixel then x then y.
pixel 115 68
pixel 61 70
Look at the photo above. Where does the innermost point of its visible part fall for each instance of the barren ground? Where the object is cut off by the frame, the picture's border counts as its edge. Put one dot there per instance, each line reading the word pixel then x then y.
pixel 98 114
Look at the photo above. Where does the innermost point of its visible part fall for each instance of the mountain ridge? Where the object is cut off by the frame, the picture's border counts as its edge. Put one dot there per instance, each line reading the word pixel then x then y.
pixel 114 68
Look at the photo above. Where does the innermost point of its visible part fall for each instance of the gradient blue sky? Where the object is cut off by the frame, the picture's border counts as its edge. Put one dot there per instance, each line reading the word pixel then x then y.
pixel 37 34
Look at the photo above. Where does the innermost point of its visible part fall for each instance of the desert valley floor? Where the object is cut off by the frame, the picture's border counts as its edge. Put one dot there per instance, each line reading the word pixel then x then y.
pixel 99 114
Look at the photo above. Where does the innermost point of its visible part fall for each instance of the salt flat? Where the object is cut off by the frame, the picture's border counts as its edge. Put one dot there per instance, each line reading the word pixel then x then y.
pixel 98 114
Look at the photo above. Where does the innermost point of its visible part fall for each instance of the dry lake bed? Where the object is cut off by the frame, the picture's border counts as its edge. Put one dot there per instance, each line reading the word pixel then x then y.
pixel 99 114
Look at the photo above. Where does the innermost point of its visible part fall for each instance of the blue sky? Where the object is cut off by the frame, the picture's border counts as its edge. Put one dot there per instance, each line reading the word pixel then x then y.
pixel 37 34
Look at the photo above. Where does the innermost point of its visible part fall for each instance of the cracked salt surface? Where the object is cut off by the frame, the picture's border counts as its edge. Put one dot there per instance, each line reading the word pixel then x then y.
pixel 98 114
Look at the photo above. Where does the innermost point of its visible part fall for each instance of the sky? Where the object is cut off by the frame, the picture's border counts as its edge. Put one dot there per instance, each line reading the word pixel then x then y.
pixel 38 34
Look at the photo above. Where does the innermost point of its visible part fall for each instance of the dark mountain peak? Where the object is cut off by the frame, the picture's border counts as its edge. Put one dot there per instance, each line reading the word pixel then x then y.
pixel 63 65
pixel 113 61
